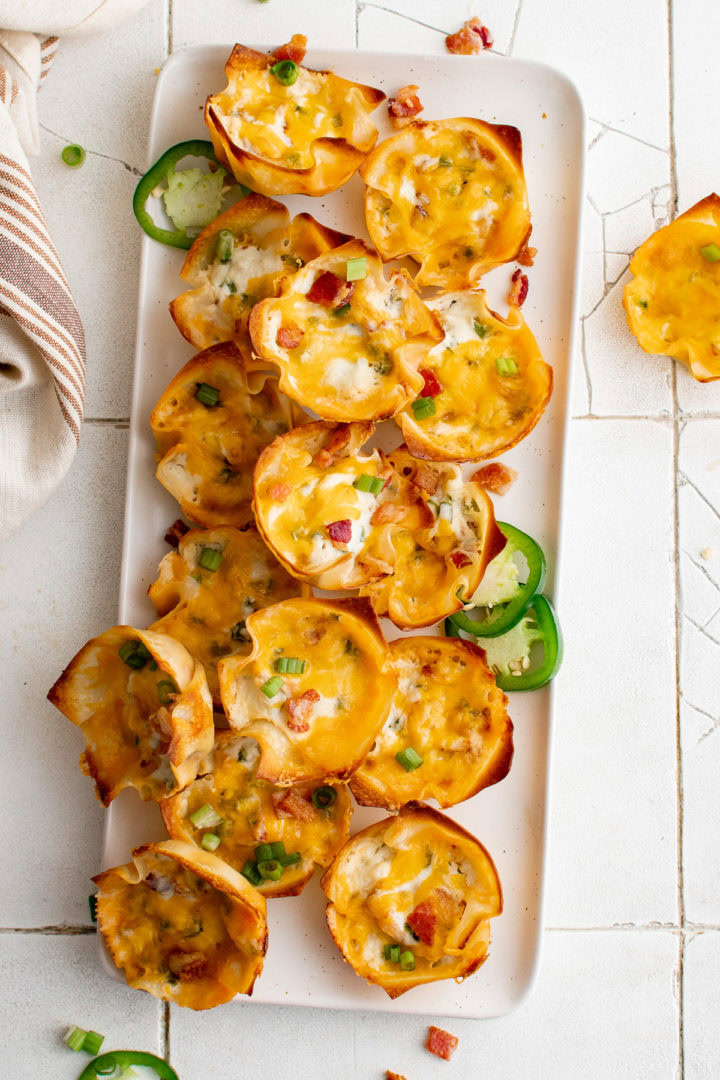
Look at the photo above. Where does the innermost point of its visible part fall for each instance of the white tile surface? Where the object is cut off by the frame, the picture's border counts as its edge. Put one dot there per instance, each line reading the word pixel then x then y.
pixel 698 158
pixel 702 1004
pixel 253 23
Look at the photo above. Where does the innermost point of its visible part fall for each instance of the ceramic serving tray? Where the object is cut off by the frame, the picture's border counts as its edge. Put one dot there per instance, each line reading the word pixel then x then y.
pixel 303 966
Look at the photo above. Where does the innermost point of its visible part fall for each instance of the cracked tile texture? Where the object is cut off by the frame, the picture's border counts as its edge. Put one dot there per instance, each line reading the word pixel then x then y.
pixel 630 982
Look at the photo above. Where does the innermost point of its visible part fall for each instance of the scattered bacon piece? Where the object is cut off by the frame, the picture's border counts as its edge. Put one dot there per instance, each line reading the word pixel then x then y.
pixel 526 255
pixel 330 290
pixel 471 38
pixel 279 492
pixel 289 337
pixel 295 49
pixel 187 965
pixel 440 1042
pixel 426 478
pixel 387 512
pixel 300 708
pixel 432 387
pixel 314 634
pixel 426 669
pixel 448 907
pixel 403 108
pixel 176 532
pixel 291 804
pixel 459 559
pixel 340 532
pixel 393 1076
pixel 495 477
pixel 337 441
pixel 422 921
pixel 519 289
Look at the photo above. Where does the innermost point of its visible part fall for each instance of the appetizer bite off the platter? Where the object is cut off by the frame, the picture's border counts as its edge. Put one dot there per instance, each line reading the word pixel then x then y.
pixel 236 261
pixel 313 692
pixel 182 924
pixel 210 424
pixel 274 836
pixel 346 341
pixel 282 128
pixel 486 383
pixel 451 194
pixel 410 899
pixel 672 302
pixel 206 589
pixel 447 733
pixel 143 705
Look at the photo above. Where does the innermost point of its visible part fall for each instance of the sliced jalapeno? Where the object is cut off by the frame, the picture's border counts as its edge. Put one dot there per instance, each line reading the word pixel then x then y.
pixel 154 176
pixel 107 1064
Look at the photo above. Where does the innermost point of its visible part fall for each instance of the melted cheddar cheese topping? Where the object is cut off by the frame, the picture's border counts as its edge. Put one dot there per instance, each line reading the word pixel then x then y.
pixel 448 709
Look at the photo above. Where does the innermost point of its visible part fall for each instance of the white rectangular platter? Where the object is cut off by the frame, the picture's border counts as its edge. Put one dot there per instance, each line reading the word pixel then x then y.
pixel 303 966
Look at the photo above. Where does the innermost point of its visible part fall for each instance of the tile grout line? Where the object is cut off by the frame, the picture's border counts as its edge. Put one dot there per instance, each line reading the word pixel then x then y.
pixel 165 1030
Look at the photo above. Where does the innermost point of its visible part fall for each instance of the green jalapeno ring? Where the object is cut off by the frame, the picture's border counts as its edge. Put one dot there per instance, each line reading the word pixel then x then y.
pixel 106 1064
pixel 154 176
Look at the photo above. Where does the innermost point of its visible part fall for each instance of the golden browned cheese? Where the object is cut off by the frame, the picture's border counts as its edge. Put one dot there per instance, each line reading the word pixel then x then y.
pixel 448 709
pixel 183 925
pixel 318 723
pixel 672 301
pixel 224 287
pixel 147 727
pixel 255 812
pixel 353 358
pixel 207 452
pixel 206 609
pixel 419 881
pixel 490 383
pixel 450 193
pixel 439 564
pixel 306 138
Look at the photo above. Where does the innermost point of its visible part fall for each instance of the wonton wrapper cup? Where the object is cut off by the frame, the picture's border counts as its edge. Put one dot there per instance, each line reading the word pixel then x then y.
pixel 208 615
pixel 255 812
pixel 207 453
pixel 436 566
pixel 438 213
pixel 362 923
pixel 672 303
pixel 123 722
pixel 317 155
pixel 448 708
pixel 217 307
pixel 348 667
pixel 221 960
pixel 479 412
pixel 337 372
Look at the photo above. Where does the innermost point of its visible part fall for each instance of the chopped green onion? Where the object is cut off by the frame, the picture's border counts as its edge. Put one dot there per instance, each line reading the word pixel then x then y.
pixel 210 841
pixel 134 654
pixel 210 558
pixel 423 407
pixel 93 1042
pixel 711 252
pixel 395 954
pixel 289 858
pixel 207 395
pixel 407 960
pixel 166 688
pixel 270 869
pixel 224 243
pixel 505 365
pixel 263 852
pixel 73 155
pixel 271 687
pixel 342 310
pixel 481 328
pixel 75 1038
pixel 277 850
pixel 373 484
pixel 324 796
pixel 250 872
pixel 206 817
pixel 92 904
pixel 356 269
pixel 409 759
pixel 386 950
pixel 290 665
pixel 337 120
pixel 286 72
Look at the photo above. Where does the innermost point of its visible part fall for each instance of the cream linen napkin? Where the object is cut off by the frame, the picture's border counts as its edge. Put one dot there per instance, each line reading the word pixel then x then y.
pixel 42 343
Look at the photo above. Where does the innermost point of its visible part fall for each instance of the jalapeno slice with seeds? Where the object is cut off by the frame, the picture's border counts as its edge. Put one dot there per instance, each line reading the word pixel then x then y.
pixel 108 1065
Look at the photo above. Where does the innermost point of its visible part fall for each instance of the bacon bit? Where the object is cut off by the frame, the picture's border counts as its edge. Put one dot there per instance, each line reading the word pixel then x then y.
pixel 176 532
pixel 403 108
pixel 337 441
pixel 330 290
pixel 300 708
pixel 426 669
pixel 187 965
pixel 526 255
pixel 422 921
pixel 387 512
pixel 291 804
pixel 289 337
pixel 518 290
pixel 459 559
pixel 314 634
pixel 393 1076
pixel 495 477
pixel 448 907
pixel 340 532
pixel 471 38
pixel 279 492
pixel 426 478
pixel 432 387
pixel 295 49
pixel 441 1043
